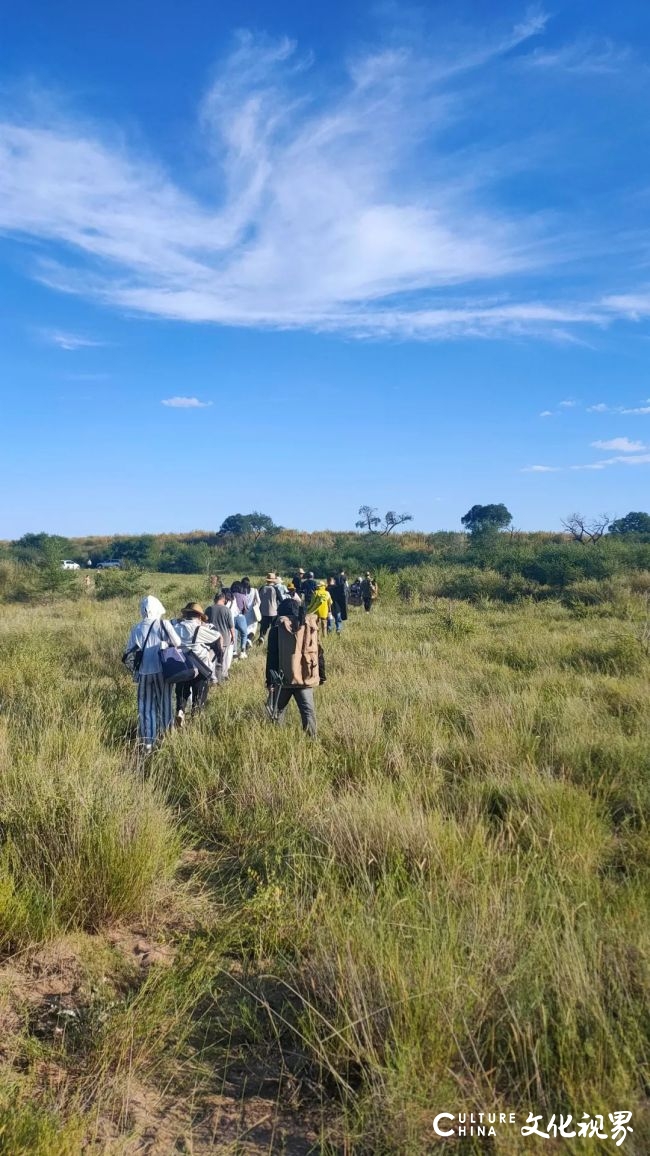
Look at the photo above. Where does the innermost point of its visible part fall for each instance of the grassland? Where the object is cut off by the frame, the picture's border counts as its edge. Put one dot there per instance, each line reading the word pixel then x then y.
pixel 255 943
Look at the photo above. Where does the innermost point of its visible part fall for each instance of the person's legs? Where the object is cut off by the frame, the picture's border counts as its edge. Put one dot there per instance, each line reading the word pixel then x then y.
pixel 304 697
pixel 200 688
pixel 146 710
pixel 367 604
pixel 183 691
pixel 227 659
pixel 338 620
pixel 265 626
pixel 164 704
pixel 241 632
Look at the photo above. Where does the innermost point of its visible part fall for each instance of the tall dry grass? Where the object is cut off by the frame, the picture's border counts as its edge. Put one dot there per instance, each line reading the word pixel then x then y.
pixel 440 904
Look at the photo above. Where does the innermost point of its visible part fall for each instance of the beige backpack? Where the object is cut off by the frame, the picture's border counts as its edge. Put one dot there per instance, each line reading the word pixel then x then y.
pixel 298 652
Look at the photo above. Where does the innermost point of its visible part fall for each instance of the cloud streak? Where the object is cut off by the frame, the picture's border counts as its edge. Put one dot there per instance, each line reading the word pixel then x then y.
pixel 185 403
pixel 623 445
pixel 69 341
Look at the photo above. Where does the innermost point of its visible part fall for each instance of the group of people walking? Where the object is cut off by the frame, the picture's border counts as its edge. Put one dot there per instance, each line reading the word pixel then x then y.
pixel 188 654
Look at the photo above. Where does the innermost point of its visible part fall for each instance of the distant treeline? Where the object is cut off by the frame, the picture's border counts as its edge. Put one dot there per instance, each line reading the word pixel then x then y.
pixel 552 560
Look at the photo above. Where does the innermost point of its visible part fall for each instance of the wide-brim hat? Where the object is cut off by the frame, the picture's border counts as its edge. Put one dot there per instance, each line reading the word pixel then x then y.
pixel 271 577
pixel 192 609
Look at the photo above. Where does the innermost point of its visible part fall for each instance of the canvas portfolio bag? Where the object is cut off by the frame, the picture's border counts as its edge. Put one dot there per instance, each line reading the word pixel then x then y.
pixel 203 659
pixel 298 652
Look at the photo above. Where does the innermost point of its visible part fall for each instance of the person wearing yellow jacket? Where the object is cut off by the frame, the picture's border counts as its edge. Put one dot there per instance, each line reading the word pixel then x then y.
pixel 321 605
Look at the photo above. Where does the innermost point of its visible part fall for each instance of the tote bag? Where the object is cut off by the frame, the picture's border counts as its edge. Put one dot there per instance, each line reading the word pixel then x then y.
pixel 176 664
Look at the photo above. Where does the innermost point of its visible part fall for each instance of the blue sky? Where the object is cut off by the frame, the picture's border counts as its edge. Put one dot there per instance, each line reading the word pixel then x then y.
pixel 299 257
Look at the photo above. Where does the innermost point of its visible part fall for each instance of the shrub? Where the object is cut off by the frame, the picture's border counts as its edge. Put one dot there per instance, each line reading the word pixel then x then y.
pixel 26 582
pixel 119 584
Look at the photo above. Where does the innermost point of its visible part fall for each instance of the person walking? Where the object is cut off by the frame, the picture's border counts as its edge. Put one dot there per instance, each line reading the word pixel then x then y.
pixel 268 604
pixel 253 613
pixel 331 583
pixel 203 642
pixel 320 605
pixel 231 605
pixel 295 664
pixel 241 603
pixel 298 580
pixel 309 585
pixel 220 616
pixel 369 591
pixel 339 593
pixel 155 712
pixel 355 592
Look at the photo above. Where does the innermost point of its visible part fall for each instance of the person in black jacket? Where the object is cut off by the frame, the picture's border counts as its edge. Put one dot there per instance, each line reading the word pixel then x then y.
pixel 309 585
pixel 339 595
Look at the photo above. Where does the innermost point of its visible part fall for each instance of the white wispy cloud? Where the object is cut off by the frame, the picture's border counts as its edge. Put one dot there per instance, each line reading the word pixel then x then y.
pixel 634 306
pixel 541 469
pixel 546 413
pixel 623 445
pixel 644 408
pixel 580 58
pixel 69 341
pixel 568 404
pixel 626 460
pixel 350 213
pixel 185 403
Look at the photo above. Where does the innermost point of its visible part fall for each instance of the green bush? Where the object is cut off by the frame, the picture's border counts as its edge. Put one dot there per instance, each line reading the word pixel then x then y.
pixel 119 584
pixel 31 581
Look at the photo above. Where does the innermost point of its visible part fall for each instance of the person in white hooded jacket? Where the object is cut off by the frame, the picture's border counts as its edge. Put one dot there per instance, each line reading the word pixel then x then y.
pixel 155 714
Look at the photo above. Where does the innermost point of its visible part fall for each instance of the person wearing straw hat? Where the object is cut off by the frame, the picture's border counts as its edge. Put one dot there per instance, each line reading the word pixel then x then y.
pixel 320 605
pixel 268 603
pixel 203 642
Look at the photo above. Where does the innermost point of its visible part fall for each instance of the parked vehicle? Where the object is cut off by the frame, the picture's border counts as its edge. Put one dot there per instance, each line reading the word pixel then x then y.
pixel 108 566
pixel 68 565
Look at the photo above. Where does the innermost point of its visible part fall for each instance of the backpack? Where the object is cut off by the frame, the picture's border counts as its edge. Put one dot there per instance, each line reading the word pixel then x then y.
pixel 298 652
pixel 132 658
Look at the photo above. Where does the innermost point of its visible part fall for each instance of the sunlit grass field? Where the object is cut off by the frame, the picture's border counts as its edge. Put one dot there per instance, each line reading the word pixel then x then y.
pixel 441 904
